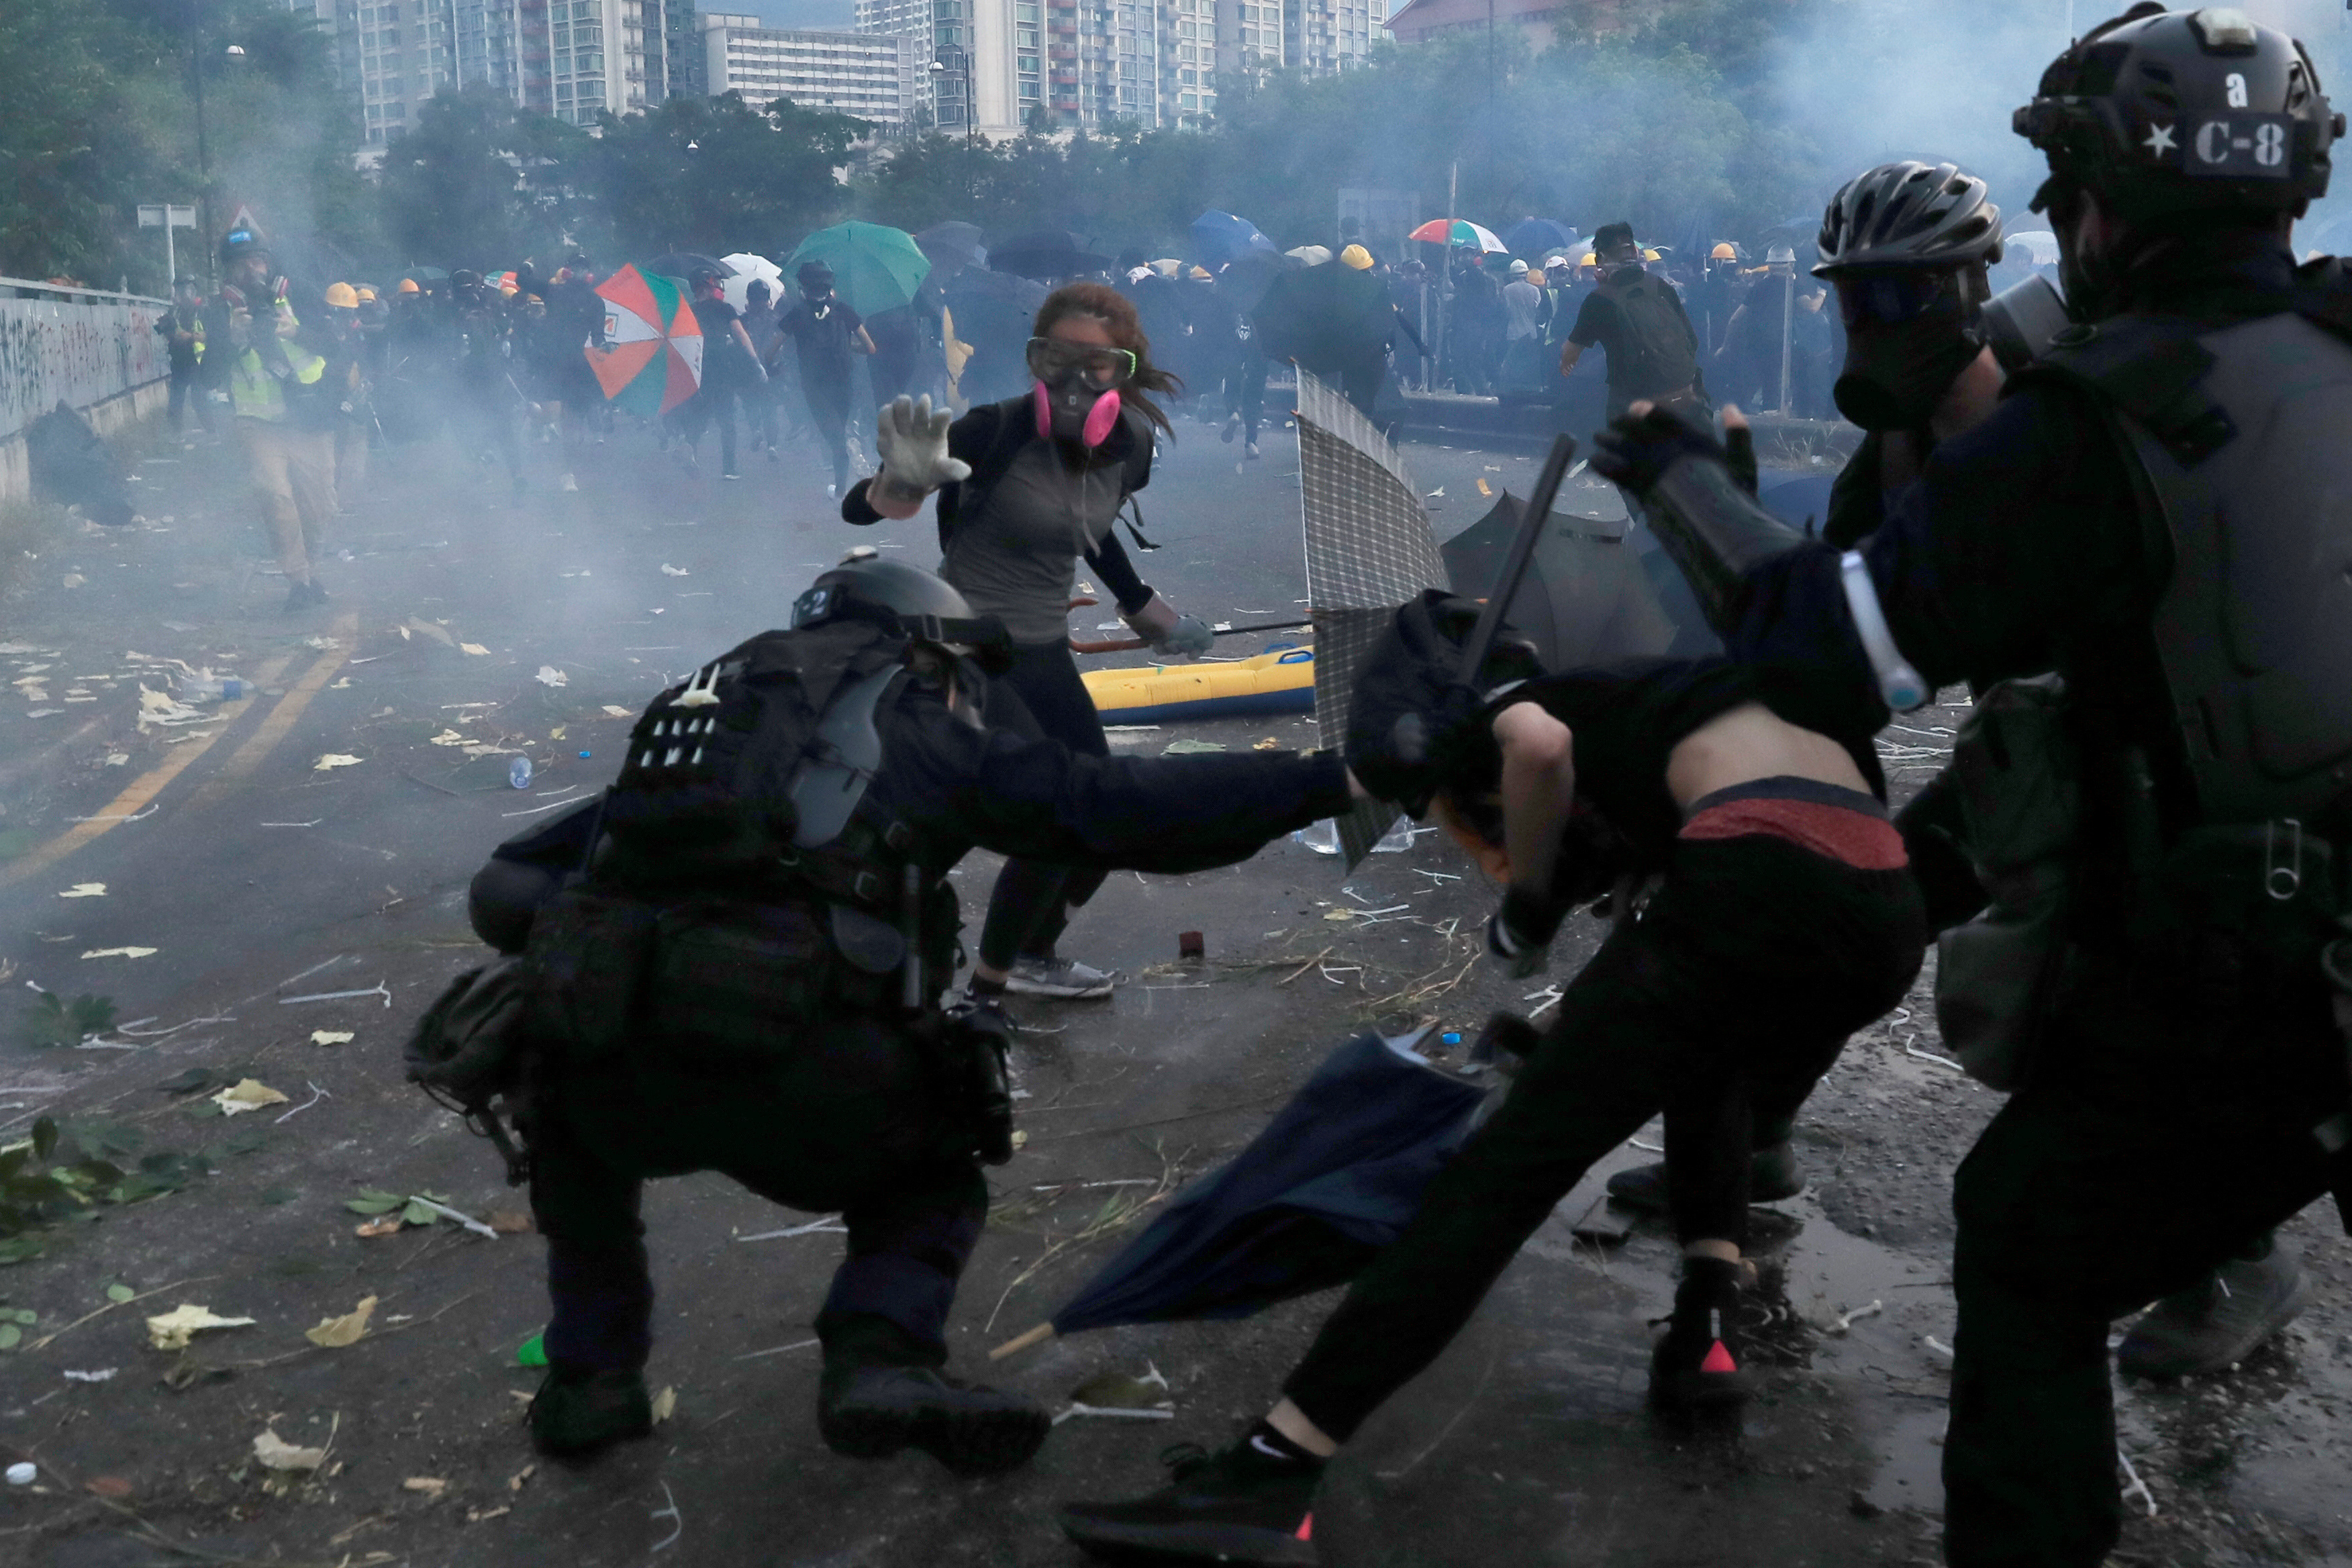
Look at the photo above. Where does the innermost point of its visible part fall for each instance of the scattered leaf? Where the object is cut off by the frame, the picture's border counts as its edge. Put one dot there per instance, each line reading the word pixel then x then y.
pixel 374 1228
pixel 475 649
pixel 1268 744
pixel 173 1331
pixel 118 1293
pixel 374 1201
pixel 332 1036
pixel 532 1351
pixel 1187 746
pixel 477 1515
pixel 431 1487
pixel 515 1481
pixel 276 1454
pixel 1119 1390
pixel 85 891
pixel 450 738
pixel 334 1333
pixel 509 1222
pixel 247 1094
pixel 613 711
pixel 664 1406
pixel 1485 488
pixel 53 1021
pixel 120 952
pixel 549 676
pixel 419 1214
pixel 108 1486
pixel 334 759
pixel 11 1336
pixel 1340 914
pixel 670 571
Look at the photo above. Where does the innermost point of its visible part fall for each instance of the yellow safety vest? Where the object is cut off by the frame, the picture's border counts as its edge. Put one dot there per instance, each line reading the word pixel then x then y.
pixel 255 392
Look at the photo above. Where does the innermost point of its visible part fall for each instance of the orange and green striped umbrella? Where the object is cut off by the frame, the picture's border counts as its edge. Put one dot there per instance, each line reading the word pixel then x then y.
pixel 652 357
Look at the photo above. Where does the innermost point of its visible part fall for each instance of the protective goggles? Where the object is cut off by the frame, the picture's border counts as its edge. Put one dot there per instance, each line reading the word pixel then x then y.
pixel 1051 359
pixel 1890 298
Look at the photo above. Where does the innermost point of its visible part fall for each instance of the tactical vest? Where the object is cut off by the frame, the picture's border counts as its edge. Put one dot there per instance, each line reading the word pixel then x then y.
pixel 1657 356
pixel 2237 436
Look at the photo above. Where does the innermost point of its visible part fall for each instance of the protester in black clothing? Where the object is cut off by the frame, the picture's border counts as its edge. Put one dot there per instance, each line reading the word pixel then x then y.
pixel 2084 528
pixel 731 371
pixel 770 1007
pixel 825 333
pixel 1029 487
pixel 760 325
pixel 1474 328
pixel 485 374
pixel 1640 324
pixel 182 327
pixel 1783 921
pixel 1227 331
pixel 1334 319
pixel 898 347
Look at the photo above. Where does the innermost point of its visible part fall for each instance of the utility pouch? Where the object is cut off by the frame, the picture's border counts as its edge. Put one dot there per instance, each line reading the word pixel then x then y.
pixel 587 964
pixel 731 985
pixel 971 1042
pixel 2014 773
pixel 471 1048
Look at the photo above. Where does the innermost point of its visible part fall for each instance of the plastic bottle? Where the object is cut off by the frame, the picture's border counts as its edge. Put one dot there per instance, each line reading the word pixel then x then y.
pixel 518 772
pixel 213 688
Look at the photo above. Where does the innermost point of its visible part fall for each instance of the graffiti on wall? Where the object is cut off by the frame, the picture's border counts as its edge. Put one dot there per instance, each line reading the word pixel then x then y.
pixel 84 352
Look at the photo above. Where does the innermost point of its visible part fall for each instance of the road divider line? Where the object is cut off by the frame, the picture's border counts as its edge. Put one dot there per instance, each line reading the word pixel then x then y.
pixel 281 722
pixel 140 791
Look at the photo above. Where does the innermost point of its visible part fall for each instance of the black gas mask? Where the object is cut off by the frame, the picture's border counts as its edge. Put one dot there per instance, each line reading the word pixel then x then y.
pixel 1076 394
pixel 1908 337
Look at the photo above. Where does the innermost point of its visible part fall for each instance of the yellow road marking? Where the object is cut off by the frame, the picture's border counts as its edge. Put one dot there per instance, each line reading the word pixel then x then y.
pixel 274 728
pixel 141 790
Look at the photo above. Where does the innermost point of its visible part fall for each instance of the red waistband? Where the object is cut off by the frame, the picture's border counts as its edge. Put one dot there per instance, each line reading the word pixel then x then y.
pixel 1854 839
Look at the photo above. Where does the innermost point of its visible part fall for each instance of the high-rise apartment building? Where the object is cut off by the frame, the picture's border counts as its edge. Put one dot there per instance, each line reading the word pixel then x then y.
pixel 874 76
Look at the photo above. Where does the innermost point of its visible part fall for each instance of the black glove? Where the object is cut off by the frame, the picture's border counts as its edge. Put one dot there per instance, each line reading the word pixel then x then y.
pixel 1636 451
pixel 1739 456
pixel 1520 932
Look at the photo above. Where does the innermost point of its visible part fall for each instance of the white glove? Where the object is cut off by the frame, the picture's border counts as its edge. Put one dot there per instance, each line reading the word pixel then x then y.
pixel 1170 634
pixel 912 442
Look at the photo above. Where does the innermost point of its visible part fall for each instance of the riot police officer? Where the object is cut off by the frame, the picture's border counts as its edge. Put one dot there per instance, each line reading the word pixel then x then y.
pixel 747 979
pixel 2151 513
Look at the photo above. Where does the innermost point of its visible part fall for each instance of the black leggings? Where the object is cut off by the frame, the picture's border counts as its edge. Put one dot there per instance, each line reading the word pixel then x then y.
pixel 1736 988
pixel 1040 697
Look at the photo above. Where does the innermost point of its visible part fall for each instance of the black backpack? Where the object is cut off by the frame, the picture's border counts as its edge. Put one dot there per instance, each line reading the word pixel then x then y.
pixel 1659 355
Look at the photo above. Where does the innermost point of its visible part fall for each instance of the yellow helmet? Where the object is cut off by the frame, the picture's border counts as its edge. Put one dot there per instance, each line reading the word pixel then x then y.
pixel 367 293
pixel 1356 256
pixel 508 288
pixel 1649 255
pixel 1199 274
pixel 342 296
pixel 1536 276
pixel 1723 252
pixel 408 286
pixel 1589 260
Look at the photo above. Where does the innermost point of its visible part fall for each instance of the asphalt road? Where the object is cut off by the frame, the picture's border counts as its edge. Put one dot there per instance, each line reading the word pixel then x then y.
pixel 243 867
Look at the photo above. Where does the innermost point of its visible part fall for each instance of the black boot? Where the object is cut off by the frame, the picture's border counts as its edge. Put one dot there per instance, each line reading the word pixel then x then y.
pixel 1702 1363
pixel 1772 1175
pixel 577 1414
pixel 1247 1504
pixel 881 1393
pixel 2221 1320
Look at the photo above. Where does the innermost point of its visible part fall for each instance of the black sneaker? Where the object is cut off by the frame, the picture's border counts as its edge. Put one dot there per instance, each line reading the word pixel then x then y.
pixel 577 1414
pixel 1702 1362
pixel 1772 1175
pixel 870 1412
pixel 1238 1505
pixel 2218 1322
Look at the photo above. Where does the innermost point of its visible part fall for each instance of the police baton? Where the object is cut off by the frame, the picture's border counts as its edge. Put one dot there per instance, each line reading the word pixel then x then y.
pixel 1532 523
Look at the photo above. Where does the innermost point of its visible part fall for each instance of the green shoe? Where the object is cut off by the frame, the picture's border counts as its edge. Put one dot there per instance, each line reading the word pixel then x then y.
pixel 577 1414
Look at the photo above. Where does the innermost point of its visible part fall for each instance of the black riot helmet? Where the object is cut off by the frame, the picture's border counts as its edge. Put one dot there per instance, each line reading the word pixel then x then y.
pixel 1908 216
pixel 923 605
pixel 2163 112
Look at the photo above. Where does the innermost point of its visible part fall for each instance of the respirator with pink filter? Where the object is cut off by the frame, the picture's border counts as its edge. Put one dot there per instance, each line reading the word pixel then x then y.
pixel 1076 392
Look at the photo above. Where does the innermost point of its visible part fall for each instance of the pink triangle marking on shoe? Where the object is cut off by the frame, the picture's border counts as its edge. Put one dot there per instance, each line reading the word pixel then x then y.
pixel 1305 1530
pixel 1718 1360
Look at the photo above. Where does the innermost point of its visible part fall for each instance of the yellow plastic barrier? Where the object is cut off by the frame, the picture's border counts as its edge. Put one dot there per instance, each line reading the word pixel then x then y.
pixel 1279 680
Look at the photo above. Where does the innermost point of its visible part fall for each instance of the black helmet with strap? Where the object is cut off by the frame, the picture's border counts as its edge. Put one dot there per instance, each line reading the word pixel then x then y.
pixel 1908 215
pixel 2163 112
pixel 919 605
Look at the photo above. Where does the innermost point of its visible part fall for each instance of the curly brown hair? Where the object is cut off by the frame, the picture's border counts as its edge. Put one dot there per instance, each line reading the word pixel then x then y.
pixel 1116 313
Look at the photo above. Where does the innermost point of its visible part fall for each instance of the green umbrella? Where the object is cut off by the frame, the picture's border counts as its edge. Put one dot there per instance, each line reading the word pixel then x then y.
pixel 873 268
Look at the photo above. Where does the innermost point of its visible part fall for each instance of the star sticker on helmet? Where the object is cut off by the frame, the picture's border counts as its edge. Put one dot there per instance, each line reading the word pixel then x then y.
pixel 2160 140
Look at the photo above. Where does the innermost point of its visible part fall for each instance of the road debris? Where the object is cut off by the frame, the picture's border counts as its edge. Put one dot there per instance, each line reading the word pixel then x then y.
pixel 85 891
pixel 276 1454
pixel 173 1331
pixel 549 676
pixel 332 1036
pixel 1848 1320
pixel 334 759
pixel 664 1406
pixel 101 1375
pixel 430 1488
pixel 831 1222
pixel 335 1333
pixel 378 989
pixel 247 1094
pixel 120 952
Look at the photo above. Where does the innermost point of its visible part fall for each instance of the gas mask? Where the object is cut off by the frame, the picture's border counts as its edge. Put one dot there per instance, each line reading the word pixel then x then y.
pixel 1908 336
pixel 1076 389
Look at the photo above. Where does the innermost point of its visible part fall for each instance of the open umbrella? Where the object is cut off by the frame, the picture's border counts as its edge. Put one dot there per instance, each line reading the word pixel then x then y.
pixel 1458 231
pixel 953 244
pixel 1046 253
pixel 1588 598
pixel 428 274
pixel 749 267
pixel 685 263
pixel 2039 245
pixel 1368 550
pixel 1337 1173
pixel 1219 237
pixel 875 268
pixel 653 361
pixel 1537 236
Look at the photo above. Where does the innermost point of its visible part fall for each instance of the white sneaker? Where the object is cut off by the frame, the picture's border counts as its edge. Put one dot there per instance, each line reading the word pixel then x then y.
pixel 1064 978
pixel 570 483
pixel 832 493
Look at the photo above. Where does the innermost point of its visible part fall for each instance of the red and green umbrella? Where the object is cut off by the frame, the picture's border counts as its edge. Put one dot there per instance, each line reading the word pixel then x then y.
pixel 1457 231
pixel 653 357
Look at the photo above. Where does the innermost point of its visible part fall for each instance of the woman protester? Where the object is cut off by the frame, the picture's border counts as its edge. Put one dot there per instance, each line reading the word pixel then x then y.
pixel 1782 919
pixel 1028 488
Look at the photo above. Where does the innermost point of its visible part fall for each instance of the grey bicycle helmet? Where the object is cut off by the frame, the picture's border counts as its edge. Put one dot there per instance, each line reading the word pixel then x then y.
pixel 1908 215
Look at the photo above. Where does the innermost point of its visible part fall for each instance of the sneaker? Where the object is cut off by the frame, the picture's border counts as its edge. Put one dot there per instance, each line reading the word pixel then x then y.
pixel 1064 978
pixel 1701 1363
pixel 567 484
pixel 2218 1322
pixel 1252 450
pixel 1773 1176
pixel 866 1411
pixel 1233 428
pixel 302 595
pixel 577 1414
pixel 1239 1505
pixel 832 493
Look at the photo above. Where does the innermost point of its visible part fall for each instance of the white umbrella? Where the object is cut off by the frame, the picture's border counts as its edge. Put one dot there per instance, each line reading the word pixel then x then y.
pixel 748 267
pixel 1313 255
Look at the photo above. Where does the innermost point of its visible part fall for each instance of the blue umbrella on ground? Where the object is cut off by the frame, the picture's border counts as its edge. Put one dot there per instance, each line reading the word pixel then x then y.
pixel 1219 237
pixel 1537 236
pixel 1337 1173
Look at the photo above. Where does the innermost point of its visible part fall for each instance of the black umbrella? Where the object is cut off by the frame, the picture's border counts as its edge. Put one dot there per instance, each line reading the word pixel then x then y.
pixel 1337 1173
pixel 685 263
pixel 1046 253
pixel 1596 592
pixel 953 244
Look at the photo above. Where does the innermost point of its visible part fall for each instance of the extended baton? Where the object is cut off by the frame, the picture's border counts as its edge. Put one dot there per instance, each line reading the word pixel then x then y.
pixel 1532 523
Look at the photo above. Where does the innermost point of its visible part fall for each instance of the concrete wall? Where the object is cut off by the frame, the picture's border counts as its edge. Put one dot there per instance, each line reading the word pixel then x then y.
pixel 98 351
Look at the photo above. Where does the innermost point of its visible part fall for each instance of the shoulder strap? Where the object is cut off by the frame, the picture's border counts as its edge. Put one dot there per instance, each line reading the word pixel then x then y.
pixel 2150 369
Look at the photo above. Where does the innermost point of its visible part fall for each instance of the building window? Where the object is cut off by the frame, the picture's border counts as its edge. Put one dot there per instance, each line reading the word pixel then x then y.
pixel 1029 89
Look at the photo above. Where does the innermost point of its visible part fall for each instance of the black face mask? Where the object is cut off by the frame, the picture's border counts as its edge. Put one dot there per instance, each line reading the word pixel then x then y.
pixel 1896 373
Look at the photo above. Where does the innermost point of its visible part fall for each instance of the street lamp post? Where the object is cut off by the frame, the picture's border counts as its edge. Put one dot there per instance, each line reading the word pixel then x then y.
pixel 955 58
